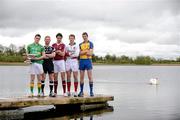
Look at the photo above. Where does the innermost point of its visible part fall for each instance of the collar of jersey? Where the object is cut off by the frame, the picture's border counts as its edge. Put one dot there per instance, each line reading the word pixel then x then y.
pixel 35 43
pixel 87 41
pixel 73 44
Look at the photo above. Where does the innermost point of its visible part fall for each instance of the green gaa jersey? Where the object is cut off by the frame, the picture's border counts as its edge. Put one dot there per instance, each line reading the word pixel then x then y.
pixel 37 50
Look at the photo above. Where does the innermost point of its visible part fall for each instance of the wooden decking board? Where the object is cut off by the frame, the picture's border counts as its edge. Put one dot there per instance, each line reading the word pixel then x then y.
pixel 59 100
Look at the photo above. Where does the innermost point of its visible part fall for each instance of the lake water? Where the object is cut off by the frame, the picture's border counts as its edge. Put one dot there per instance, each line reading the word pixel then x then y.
pixel 134 98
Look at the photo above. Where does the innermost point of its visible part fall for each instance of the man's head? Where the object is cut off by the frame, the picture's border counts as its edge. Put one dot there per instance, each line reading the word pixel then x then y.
pixel 71 38
pixel 37 38
pixel 85 36
pixel 47 40
pixel 59 37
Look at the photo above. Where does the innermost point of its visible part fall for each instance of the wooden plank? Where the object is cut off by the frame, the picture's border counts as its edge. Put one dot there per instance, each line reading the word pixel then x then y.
pixel 59 100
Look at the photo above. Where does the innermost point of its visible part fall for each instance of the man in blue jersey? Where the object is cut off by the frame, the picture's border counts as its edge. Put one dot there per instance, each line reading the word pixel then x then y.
pixel 85 63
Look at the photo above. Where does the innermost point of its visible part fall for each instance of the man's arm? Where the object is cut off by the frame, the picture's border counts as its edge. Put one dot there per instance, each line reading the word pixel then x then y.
pixel 62 53
pixel 40 58
pixel 90 52
pixel 84 52
pixel 52 55
pixel 76 53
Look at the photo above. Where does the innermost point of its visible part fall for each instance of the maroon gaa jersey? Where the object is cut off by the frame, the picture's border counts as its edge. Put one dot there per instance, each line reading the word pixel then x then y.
pixel 60 47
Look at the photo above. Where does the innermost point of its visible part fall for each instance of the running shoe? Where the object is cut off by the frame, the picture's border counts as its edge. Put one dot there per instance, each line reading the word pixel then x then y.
pixel 81 94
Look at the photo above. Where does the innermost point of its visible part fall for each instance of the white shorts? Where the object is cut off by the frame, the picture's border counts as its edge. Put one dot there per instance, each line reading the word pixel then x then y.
pixel 36 68
pixel 59 66
pixel 72 64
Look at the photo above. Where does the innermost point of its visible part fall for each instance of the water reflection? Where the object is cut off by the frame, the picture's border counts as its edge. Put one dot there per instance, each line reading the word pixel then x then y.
pixel 90 118
pixel 23 114
pixel 67 115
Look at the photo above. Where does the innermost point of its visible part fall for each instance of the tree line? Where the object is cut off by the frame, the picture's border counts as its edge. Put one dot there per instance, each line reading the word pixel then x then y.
pixel 139 60
pixel 12 53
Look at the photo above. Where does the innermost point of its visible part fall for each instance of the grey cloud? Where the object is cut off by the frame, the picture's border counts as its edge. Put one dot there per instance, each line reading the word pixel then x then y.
pixel 30 13
pixel 22 16
pixel 133 37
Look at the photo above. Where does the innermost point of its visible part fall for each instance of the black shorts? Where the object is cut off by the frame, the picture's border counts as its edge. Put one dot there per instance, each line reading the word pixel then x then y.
pixel 48 67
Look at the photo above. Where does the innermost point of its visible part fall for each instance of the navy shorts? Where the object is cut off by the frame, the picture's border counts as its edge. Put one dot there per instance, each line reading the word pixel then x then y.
pixel 48 67
pixel 85 64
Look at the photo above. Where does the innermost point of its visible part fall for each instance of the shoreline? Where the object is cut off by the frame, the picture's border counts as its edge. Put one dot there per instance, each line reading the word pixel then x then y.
pixel 13 64
pixel 96 64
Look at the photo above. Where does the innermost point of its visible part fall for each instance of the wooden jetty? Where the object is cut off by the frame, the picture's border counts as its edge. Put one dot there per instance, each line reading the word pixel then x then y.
pixel 83 103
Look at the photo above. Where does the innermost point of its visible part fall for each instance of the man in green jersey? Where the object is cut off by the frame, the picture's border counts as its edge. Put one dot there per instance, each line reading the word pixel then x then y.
pixel 36 53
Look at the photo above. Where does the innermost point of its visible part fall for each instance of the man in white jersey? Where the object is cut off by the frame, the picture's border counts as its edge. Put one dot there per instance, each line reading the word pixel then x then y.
pixel 72 53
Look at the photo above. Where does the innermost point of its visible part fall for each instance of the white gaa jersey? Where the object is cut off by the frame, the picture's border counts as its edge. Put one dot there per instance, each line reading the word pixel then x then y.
pixel 73 50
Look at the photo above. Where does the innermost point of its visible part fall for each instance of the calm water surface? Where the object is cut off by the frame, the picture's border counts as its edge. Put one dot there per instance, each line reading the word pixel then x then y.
pixel 134 98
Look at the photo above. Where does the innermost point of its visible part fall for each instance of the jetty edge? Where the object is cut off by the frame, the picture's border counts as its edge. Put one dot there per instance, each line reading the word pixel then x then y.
pixel 83 103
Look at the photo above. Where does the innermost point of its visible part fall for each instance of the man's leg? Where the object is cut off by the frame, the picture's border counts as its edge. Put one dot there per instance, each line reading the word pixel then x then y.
pixel 55 83
pixel 39 77
pixel 63 82
pixel 68 73
pixel 89 72
pixel 32 77
pixel 75 75
pixel 43 82
pixel 81 83
pixel 63 70
pixel 51 83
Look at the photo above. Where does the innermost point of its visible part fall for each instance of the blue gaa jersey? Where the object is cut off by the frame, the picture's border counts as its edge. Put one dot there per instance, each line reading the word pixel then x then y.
pixel 86 46
pixel 85 62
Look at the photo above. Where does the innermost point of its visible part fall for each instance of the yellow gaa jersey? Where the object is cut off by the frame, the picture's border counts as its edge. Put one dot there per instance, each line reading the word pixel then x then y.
pixel 85 46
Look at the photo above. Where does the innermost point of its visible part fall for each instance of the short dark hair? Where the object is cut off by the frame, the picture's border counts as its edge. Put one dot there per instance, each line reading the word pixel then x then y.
pixel 71 35
pixel 84 33
pixel 38 35
pixel 59 34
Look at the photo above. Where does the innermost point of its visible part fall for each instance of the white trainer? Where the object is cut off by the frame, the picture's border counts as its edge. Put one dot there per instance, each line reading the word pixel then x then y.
pixel 65 94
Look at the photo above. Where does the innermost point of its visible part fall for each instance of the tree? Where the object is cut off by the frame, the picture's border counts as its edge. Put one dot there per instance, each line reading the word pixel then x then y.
pixel 13 48
pixel 143 60
pixel 125 59
pixel 113 58
pixel 178 59
pixel 22 50
pixel 107 57
pixel 1 48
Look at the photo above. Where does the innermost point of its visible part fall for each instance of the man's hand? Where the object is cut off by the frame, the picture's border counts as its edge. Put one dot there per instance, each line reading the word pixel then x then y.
pixel 35 58
pixel 88 53
pixel 60 53
pixel 84 52
pixel 57 51
pixel 46 57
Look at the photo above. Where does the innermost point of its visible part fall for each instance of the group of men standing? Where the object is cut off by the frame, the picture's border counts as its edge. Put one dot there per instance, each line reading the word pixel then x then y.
pixel 60 59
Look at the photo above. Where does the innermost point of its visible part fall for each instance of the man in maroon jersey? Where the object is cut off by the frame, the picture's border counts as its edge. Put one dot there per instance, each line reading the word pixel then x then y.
pixel 59 63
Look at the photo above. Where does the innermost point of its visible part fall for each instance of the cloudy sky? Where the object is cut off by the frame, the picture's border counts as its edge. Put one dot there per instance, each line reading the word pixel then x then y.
pixel 121 27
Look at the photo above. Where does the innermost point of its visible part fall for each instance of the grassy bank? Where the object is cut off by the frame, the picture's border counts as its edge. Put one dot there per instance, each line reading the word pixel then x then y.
pixel 160 64
pixel 13 64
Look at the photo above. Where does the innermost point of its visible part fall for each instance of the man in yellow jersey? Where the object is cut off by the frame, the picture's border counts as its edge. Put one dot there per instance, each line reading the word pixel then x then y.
pixel 85 63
